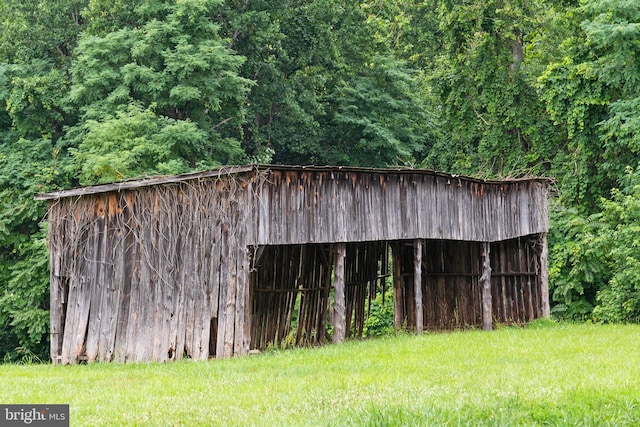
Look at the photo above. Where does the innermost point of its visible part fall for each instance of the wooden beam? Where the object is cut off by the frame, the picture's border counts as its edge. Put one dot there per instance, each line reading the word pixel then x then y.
pixel 339 318
pixel 544 277
pixel 417 283
pixel 485 282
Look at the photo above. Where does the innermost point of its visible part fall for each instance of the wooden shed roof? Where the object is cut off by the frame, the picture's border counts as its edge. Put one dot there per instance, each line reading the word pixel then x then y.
pixel 234 170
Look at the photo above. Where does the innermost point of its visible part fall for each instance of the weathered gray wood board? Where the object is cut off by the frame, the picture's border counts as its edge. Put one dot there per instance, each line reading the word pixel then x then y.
pixel 147 271
pixel 320 206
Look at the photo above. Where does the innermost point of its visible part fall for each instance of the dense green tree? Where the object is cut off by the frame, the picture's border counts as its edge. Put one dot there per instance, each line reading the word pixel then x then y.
pixel 577 265
pixel 618 238
pixel 36 42
pixel 591 92
pixel 160 97
pixel 33 29
pixel 575 101
pixel 597 260
pixel 612 30
pixel 135 141
pixel 24 269
pixel 492 120
pixel 328 90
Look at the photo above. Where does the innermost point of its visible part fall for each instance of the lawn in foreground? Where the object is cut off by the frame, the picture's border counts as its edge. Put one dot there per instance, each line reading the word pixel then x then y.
pixel 551 375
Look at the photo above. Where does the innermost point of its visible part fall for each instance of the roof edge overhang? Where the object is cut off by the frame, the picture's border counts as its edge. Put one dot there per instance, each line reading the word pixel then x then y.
pixel 236 170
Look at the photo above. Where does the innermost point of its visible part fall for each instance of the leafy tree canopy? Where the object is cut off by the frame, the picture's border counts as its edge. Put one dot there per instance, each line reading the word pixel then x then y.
pixel 162 97
pixel 328 90
pixel 591 93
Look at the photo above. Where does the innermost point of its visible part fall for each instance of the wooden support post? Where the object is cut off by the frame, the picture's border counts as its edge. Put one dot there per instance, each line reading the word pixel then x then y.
pixel 339 319
pixel 398 292
pixel 417 283
pixel 544 277
pixel 485 282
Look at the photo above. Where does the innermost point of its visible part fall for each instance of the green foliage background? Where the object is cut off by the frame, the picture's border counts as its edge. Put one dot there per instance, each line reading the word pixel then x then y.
pixel 93 91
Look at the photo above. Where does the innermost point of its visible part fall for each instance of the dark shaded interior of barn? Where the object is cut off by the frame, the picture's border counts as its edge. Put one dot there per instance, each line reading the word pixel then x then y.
pixel 292 289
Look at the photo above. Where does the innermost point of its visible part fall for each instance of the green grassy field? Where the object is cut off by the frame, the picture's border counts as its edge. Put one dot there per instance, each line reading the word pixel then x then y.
pixel 539 375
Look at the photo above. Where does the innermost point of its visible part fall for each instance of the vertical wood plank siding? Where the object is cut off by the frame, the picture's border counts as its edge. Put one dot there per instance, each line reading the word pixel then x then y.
pixel 299 206
pixel 148 270
pixel 217 263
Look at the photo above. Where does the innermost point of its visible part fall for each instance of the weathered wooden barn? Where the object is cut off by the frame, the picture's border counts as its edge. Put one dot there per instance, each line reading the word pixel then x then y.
pixel 217 263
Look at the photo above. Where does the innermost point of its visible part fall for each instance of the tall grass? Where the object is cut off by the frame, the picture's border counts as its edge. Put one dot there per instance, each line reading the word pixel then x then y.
pixel 539 375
